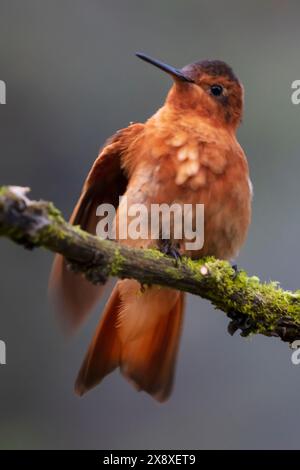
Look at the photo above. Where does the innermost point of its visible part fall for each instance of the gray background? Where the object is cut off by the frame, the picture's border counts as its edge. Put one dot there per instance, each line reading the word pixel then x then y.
pixel 72 80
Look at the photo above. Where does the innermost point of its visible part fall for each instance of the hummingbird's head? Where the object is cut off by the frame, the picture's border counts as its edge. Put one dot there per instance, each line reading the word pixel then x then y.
pixel 210 88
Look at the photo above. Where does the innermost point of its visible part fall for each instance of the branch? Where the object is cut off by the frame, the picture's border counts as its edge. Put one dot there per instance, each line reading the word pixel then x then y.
pixel 252 306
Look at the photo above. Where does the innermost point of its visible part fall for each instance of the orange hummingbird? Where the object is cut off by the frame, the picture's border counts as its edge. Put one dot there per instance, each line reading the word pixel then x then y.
pixel 187 152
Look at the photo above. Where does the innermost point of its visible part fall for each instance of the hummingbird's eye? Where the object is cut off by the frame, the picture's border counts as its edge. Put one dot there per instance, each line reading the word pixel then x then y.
pixel 216 90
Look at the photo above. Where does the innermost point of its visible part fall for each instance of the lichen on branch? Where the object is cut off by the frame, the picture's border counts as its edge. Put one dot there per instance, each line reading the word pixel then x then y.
pixel 252 306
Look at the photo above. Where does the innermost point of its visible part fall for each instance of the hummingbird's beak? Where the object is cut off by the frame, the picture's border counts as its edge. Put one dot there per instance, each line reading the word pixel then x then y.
pixel 175 73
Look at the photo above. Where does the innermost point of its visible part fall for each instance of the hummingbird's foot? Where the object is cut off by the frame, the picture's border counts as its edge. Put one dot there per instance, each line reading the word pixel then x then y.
pixel 241 322
pixel 236 271
pixel 168 248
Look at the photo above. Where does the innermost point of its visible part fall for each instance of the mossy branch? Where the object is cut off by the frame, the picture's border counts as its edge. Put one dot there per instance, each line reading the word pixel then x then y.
pixel 252 306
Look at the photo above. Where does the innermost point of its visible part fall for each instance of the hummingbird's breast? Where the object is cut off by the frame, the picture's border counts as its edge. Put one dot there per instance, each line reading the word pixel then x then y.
pixel 189 149
pixel 190 162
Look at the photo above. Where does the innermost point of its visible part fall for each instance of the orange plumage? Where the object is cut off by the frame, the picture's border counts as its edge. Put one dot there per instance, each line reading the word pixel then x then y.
pixel 187 152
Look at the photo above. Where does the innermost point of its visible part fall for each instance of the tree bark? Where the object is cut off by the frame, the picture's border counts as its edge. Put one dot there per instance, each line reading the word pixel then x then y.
pixel 252 306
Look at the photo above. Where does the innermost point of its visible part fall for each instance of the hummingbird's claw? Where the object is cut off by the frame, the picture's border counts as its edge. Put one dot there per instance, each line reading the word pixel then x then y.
pixel 236 271
pixel 168 248
pixel 239 321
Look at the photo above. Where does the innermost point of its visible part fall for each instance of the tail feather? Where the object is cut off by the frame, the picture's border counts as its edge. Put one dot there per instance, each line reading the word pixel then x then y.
pixel 149 361
pixel 103 355
pixel 146 360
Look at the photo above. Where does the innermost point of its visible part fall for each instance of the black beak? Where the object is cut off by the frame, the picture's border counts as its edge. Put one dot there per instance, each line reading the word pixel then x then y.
pixel 175 73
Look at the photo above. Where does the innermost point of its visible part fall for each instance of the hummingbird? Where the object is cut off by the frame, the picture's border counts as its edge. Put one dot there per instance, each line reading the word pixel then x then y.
pixel 186 152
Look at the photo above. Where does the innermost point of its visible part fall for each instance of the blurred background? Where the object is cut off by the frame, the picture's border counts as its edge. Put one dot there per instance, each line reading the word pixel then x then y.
pixel 72 81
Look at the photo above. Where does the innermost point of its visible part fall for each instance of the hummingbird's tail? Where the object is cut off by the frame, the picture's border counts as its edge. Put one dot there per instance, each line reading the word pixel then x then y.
pixel 139 332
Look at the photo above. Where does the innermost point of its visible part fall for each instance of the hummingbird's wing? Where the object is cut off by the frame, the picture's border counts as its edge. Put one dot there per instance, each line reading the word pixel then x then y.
pixel 106 181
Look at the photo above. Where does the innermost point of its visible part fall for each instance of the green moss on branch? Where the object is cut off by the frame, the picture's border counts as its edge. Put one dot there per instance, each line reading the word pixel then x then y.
pixel 253 306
